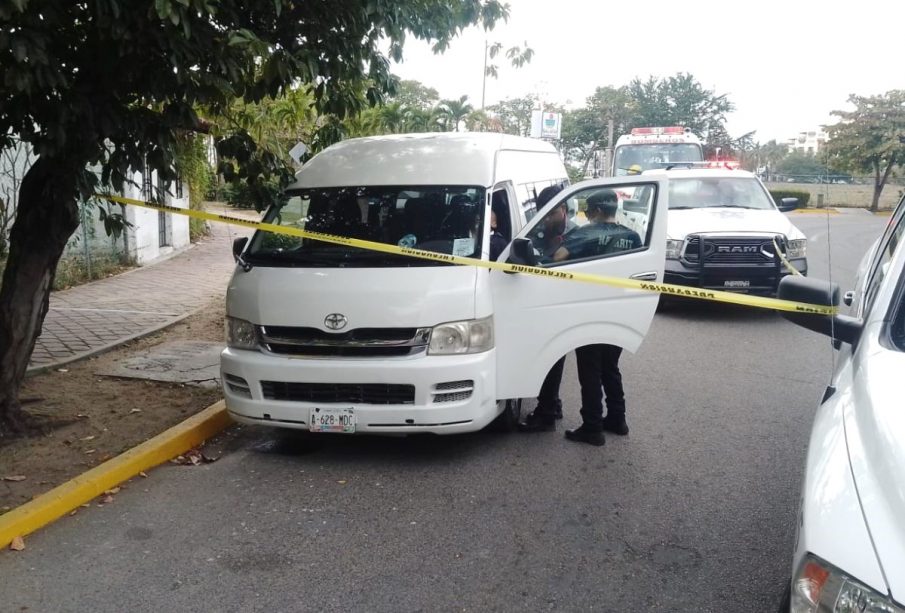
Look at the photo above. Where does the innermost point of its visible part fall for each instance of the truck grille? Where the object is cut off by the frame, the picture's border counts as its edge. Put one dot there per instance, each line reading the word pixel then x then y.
pixel 339 393
pixel 731 250
pixel 358 343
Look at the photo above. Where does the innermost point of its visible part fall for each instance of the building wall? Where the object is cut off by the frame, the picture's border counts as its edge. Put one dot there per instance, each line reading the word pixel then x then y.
pixel 145 240
pixel 810 141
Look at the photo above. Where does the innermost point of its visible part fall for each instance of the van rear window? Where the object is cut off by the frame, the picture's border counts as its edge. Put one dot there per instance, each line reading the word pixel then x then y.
pixel 444 219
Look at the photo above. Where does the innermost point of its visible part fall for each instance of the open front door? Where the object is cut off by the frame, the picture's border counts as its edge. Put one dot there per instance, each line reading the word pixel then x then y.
pixel 620 231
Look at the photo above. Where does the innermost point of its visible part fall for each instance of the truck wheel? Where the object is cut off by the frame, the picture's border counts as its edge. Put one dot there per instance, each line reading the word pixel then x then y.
pixel 507 421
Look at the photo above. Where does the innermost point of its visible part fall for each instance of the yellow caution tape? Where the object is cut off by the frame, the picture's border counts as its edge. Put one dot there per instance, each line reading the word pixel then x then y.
pixel 782 258
pixel 553 273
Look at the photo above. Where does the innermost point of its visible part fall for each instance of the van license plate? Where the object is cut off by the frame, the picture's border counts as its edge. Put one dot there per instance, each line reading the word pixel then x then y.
pixel 736 284
pixel 332 420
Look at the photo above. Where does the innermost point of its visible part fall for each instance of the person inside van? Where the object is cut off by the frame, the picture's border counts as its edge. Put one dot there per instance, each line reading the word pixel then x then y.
pixel 497 242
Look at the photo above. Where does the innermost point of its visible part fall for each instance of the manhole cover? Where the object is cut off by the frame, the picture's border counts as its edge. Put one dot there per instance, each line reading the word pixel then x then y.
pixel 188 362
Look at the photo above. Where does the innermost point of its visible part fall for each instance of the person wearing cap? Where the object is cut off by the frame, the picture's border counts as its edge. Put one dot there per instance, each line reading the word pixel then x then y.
pixel 547 240
pixel 598 365
pixel 602 235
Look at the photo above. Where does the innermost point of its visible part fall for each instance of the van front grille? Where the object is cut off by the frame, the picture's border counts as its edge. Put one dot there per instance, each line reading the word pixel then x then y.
pixel 357 343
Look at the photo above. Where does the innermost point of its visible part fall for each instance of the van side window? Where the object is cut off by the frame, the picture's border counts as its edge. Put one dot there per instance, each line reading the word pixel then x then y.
pixel 500 207
pixel 612 221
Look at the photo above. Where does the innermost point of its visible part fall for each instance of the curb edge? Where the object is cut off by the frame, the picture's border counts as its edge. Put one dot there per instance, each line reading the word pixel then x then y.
pixel 59 501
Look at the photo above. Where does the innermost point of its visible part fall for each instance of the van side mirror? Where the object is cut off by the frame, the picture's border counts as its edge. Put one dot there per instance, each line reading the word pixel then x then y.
pixel 239 247
pixel 788 204
pixel 815 291
pixel 522 252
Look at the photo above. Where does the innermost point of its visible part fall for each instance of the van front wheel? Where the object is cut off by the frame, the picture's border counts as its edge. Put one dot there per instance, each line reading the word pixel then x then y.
pixel 508 419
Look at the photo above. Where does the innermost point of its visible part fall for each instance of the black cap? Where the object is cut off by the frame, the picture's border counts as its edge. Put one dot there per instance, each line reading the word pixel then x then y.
pixel 603 200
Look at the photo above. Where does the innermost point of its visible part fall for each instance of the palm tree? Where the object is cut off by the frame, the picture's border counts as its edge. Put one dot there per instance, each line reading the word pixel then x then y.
pixel 392 118
pixel 479 121
pixel 423 120
pixel 455 110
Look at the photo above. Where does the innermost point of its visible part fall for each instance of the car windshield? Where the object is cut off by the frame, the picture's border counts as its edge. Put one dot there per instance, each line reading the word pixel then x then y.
pixel 650 156
pixel 710 192
pixel 444 219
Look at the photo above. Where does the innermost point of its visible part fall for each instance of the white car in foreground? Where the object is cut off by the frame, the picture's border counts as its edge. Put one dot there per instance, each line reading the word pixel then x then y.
pixel 850 550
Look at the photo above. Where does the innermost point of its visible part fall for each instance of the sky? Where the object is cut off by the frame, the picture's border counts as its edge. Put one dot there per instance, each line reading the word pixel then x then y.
pixel 784 64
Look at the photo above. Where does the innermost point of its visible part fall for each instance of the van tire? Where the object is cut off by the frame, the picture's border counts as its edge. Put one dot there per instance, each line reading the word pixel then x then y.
pixel 507 421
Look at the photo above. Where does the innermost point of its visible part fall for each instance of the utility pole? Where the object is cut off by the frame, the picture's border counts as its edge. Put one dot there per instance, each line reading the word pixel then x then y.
pixel 608 152
pixel 484 76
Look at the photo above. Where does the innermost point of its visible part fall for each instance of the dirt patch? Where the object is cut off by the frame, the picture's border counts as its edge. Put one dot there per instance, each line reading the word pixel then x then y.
pixel 106 415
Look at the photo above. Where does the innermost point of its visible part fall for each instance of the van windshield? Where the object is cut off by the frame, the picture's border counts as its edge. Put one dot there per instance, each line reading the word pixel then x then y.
pixel 440 218
pixel 631 159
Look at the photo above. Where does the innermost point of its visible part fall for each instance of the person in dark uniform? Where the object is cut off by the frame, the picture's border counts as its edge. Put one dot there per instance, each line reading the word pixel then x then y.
pixel 598 365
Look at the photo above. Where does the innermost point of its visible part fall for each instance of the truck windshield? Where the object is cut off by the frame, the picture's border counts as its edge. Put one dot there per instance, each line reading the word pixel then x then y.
pixel 650 156
pixel 444 219
pixel 737 192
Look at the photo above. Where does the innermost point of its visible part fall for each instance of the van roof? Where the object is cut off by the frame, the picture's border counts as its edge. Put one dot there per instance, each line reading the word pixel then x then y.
pixel 433 158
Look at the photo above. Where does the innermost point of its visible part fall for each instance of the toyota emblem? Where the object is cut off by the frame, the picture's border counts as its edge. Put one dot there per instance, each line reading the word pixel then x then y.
pixel 335 321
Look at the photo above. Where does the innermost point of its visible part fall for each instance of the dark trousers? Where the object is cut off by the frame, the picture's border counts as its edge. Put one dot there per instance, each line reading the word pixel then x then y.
pixel 598 373
pixel 548 401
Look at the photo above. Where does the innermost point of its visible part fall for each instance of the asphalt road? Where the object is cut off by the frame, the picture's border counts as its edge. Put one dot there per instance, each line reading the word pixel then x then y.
pixel 693 511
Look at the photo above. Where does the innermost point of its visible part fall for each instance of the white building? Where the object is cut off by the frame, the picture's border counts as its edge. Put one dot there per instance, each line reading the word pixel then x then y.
pixel 810 141
pixel 151 235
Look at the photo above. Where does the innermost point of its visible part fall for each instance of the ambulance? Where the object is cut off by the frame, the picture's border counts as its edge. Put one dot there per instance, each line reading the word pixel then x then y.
pixel 650 148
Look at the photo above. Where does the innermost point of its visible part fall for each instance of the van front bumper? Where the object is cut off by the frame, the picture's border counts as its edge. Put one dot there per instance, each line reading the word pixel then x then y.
pixel 429 393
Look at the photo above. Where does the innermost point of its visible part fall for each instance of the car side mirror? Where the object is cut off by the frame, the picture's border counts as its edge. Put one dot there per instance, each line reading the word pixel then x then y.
pixel 239 247
pixel 815 291
pixel 788 204
pixel 522 252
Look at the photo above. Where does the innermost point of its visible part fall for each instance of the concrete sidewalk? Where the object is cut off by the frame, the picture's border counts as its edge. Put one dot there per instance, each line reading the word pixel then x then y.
pixel 97 316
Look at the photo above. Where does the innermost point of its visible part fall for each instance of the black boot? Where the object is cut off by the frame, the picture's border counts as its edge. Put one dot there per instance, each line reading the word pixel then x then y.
pixel 615 423
pixel 583 434
pixel 537 422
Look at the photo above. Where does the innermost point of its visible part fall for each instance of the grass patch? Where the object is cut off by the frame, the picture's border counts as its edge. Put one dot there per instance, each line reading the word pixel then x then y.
pixel 74 270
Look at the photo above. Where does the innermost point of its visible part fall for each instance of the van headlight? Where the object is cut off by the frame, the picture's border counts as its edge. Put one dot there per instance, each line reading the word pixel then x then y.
pixel 821 587
pixel 797 248
pixel 241 334
pixel 458 337
pixel 673 249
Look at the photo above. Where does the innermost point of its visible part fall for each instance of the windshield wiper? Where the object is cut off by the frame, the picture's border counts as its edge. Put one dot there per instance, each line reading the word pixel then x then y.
pixel 734 206
pixel 682 208
pixel 291 257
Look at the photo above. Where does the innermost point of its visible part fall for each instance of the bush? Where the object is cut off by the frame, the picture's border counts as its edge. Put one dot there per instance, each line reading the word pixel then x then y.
pixel 258 196
pixel 803 196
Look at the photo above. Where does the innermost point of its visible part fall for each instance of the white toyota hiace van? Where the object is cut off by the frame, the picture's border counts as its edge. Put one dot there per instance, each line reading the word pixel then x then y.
pixel 333 338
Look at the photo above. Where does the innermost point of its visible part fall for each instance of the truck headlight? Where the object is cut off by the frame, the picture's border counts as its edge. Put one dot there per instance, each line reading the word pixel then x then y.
pixel 458 337
pixel 821 587
pixel 241 334
pixel 797 248
pixel 673 249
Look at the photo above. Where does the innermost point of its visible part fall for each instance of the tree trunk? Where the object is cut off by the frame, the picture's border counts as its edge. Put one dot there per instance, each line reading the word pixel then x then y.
pixel 880 183
pixel 47 216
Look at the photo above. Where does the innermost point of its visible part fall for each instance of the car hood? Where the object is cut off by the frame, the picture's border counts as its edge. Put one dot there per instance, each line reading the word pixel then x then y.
pixel 419 296
pixel 717 219
pixel 875 433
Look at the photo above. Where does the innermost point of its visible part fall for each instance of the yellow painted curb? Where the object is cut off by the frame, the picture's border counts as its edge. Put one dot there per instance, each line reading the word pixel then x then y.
pixel 825 211
pixel 61 500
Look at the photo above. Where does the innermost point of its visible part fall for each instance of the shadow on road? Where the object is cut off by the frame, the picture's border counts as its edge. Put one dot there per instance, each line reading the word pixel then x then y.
pixel 424 449
pixel 702 310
